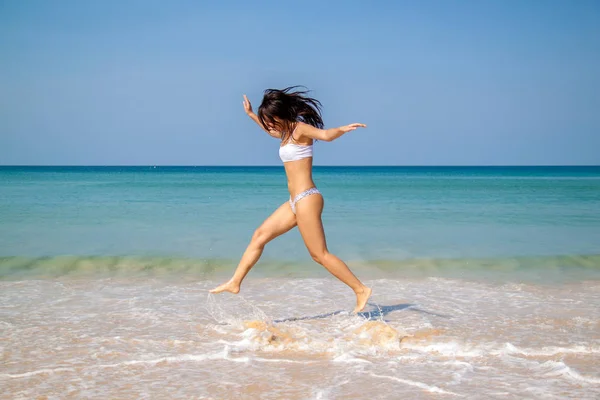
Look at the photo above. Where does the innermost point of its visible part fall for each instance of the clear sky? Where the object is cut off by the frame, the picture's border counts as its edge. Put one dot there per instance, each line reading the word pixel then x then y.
pixel 438 82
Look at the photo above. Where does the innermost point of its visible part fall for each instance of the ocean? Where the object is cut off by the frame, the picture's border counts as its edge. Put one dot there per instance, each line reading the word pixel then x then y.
pixel 486 284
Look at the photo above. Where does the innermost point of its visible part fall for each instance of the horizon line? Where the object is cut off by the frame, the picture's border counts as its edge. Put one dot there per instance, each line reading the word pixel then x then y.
pixel 279 165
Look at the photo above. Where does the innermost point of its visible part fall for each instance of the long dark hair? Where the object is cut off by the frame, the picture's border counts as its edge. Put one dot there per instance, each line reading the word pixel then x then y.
pixel 283 108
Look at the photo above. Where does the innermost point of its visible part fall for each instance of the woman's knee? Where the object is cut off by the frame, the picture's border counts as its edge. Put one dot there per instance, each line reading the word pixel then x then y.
pixel 260 237
pixel 319 256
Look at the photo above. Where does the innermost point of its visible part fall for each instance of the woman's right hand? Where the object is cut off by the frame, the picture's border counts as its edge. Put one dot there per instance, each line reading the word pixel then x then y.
pixel 247 106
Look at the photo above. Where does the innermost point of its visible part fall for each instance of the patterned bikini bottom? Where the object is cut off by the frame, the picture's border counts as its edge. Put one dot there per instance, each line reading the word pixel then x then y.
pixel 302 195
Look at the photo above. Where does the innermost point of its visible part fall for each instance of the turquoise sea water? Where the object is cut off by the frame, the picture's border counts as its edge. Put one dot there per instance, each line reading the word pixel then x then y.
pixel 199 219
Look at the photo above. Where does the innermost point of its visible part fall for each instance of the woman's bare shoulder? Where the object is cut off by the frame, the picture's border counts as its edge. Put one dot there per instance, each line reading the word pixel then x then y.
pixel 304 133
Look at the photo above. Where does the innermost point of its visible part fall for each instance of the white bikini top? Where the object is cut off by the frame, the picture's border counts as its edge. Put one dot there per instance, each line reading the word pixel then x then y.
pixel 292 152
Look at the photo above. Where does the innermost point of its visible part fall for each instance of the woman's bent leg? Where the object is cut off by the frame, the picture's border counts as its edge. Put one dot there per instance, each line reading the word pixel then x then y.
pixel 308 217
pixel 278 223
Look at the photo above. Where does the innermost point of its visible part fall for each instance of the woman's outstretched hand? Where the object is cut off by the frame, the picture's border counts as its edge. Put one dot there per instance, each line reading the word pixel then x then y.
pixel 247 106
pixel 351 127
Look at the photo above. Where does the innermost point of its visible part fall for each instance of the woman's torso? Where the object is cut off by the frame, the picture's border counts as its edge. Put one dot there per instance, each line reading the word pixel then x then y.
pixel 298 171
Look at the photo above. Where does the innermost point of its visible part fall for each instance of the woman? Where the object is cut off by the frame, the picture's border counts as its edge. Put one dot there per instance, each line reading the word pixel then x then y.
pixel 296 119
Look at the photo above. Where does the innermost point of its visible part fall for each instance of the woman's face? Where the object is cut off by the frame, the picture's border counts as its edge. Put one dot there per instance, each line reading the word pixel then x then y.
pixel 276 125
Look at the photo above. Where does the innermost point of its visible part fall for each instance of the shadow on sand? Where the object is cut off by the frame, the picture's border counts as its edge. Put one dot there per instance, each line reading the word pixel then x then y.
pixel 377 313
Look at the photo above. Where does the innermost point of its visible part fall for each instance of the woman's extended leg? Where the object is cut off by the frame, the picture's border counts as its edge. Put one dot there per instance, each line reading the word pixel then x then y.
pixel 278 223
pixel 308 217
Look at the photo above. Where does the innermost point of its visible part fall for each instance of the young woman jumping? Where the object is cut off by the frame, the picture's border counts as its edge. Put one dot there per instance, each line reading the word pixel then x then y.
pixel 295 118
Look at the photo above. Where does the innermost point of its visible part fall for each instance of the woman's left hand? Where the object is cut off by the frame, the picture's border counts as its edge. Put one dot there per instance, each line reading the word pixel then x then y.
pixel 351 127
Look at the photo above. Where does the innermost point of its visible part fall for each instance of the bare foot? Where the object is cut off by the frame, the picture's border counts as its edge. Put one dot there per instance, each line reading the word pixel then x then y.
pixel 361 299
pixel 228 286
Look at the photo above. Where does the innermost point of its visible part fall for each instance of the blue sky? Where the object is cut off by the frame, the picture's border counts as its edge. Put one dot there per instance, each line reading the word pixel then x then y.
pixel 437 82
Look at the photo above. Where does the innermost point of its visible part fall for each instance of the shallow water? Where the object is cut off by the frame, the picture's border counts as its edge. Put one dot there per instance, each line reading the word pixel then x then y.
pixel 294 338
pixel 486 284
